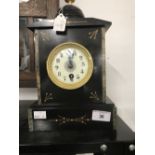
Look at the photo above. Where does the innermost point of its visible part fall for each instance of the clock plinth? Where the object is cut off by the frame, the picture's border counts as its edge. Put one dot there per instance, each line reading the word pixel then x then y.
pixel 72 116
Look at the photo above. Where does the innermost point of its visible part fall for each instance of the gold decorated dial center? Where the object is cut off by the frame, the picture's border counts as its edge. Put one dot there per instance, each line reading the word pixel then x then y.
pixel 69 65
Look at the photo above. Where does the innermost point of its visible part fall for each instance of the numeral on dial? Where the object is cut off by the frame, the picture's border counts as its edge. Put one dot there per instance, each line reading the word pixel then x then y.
pixel 83 64
pixel 56 67
pixel 77 76
pixel 59 73
pixel 74 53
pixel 80 57
pixel 61 55
pixel 82 71
pixel 64 78
pixel 58 60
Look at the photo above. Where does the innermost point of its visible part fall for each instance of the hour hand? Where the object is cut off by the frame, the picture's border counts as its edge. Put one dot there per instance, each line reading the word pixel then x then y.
pixel 70 64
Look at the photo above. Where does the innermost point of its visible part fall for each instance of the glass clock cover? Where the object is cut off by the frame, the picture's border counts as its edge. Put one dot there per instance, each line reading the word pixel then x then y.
pixel 69 65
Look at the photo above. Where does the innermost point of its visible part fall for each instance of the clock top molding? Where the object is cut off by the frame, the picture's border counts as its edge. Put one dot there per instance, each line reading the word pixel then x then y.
pixel 72 22
pixel 75 18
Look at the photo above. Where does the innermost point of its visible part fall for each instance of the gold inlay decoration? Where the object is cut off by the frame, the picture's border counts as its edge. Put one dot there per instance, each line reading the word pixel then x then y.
pixel 93 95
pixel 48 96
pixel 45 36
pixel 63 120
pixel 93 35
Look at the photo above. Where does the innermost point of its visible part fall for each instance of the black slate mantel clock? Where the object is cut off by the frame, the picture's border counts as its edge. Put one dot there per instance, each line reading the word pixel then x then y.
pixel 70 67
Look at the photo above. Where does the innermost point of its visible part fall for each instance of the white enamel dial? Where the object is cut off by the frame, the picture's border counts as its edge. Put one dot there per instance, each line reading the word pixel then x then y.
pixel 69 65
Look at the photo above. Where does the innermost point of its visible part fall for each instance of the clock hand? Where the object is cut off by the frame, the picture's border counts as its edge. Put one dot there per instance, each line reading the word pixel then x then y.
pixel 70 53
pixel 70 64
pixel 70 57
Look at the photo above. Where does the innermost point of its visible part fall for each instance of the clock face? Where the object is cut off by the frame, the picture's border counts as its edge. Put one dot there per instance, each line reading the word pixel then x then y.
pixel 69 65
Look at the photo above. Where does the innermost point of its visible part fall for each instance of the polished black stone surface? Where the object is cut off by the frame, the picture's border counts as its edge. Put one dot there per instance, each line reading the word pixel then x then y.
pixel 71 142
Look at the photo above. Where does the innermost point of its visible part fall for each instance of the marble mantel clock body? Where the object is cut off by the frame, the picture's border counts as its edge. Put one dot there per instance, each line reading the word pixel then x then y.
pixel 70 65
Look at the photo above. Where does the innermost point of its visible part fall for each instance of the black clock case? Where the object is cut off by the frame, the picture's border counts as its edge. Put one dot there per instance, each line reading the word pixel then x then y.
pixel 71 109
pixel 90 33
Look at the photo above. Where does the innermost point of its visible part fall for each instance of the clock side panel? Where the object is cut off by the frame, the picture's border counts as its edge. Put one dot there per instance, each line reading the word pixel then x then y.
pixel 91 38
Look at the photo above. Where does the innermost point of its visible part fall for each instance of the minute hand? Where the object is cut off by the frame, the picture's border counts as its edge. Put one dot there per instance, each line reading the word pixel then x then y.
pixel 70 64
pixel 70 53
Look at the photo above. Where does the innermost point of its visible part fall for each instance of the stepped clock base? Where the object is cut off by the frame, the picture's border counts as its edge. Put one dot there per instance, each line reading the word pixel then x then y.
pixel 70 116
